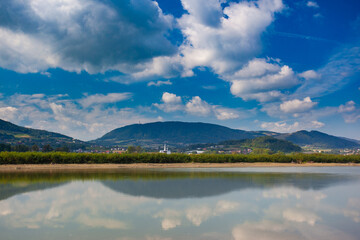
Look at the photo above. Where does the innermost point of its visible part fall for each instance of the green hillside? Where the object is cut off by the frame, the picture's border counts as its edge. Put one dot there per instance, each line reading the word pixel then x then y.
pixel 317 139
pixel 14 135
pixel 176 133
pixel 260 144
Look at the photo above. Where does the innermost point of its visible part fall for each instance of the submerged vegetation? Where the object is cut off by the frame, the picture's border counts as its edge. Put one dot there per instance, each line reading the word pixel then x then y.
pixel 92 158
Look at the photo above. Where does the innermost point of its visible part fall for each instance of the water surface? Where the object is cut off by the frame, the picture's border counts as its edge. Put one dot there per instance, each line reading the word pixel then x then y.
pixel 158 204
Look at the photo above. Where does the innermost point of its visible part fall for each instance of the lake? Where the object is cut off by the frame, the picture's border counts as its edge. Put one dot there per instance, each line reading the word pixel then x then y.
pixel 161 204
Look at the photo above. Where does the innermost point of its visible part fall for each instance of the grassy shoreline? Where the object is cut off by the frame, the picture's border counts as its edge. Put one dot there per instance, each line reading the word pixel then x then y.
pixel 16 158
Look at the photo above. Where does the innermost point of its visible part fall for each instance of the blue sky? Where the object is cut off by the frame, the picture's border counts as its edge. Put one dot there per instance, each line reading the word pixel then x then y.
pixel 85 67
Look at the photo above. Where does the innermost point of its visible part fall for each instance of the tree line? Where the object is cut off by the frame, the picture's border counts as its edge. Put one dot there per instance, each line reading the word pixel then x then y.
pixel 126 158
pixel 34 148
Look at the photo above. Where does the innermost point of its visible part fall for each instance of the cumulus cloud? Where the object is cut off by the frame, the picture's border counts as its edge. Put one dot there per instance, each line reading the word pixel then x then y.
pixel 348 107
pixel 312 4
pixel 310 74
pixel 286 193
pixel 56 209
pixel 170 218
pixel 283 230
pixel 8 113
pixel 100 98
pixel 230 38
pixel 349 112
pixel 81 35
pixel 159 83
pixel 223 113
pixel 261 80
pixel 86 118
pixel 101 222
pixel 283 126
pixel 300 215
pixel 195 106
pixel 297 106
pixel 170 103
pixel 198 215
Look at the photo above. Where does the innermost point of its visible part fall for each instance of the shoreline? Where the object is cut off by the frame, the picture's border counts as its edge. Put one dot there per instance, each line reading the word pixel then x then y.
pixel 74 167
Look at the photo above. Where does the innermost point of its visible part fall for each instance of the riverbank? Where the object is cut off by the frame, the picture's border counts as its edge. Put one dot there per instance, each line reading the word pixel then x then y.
pixel 75 167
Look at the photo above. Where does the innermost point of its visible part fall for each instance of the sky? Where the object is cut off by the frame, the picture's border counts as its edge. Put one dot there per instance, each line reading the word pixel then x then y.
pixel 85 67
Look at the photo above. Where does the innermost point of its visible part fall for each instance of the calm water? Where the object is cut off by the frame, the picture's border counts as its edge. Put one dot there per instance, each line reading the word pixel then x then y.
pixel 251 203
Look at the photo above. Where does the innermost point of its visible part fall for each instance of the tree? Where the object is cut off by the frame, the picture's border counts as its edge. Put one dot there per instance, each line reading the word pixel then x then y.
pixel 5 147
pixel 138 149
pixel 62 149
pixel 47 148
pixel 35 148
pixel 131 149
pixel 21 148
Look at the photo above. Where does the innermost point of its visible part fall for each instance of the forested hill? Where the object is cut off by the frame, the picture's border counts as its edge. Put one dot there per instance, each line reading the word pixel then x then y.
pixel 318 139
pixel 174 133
pixel 14 134
pixel 266 142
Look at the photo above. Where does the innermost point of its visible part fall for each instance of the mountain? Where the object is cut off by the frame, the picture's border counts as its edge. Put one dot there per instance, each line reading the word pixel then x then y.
pixel 266 142
pixel 14 134
pixel 317 139
pixel 177 133
pixel 173 133
pixel 188 133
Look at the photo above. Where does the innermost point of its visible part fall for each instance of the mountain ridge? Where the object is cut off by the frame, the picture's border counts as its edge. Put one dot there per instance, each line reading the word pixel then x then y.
pixel 172 132
pixel 175 132
pixel 317 139
pixel 13 134
pixel 186 133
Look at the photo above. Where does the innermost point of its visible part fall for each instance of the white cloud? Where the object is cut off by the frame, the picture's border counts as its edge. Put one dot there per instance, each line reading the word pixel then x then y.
pixel 297 106
pixel 283 126
pixel 170 218
pixel 276 229
pixel 8 113
pixel 310 74
pixel 312 4
pixel 265 230
pixel 348 107
pixel 171 103
pixel 96 222
pixel 51 34
pixel 198 215
pixel 222 113
pixel 339 71
pixel 228 40
pixel 223 206
pixel 196 106
pixel 286 193
pixel 101 99
pixel 349 112
pixel 59 113
pixel 75 203
pixel 170 98
pixel 224 43
pixel 262 80
pixel 264 96
pixel 159 83
pixel 300 215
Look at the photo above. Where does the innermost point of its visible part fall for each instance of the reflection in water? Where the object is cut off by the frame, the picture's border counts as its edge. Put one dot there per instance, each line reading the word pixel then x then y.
pixel 154 204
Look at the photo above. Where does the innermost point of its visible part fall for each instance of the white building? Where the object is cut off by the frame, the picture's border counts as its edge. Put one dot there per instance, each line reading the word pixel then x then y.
pixel 166 150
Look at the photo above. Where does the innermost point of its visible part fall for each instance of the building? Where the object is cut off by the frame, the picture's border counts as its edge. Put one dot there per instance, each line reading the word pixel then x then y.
pixel 166 150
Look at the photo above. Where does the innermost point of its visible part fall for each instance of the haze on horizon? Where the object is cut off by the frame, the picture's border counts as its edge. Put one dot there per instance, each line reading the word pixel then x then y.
pixel 85 67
